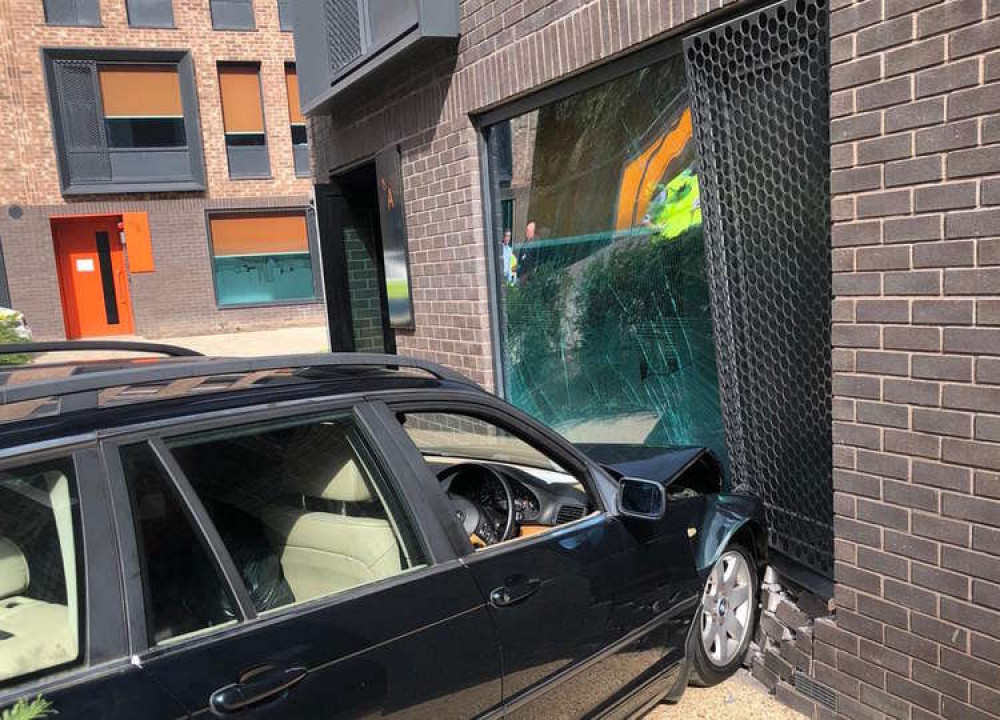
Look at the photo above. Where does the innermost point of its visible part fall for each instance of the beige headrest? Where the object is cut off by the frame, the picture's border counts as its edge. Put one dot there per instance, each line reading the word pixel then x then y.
pixel 13 569
pixel 330 472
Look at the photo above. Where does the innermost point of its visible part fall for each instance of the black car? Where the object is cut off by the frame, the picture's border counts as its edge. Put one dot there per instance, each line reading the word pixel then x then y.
pixel 348 536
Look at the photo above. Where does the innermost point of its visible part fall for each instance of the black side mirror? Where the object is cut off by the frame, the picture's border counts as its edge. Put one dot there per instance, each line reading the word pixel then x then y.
pixel 644 499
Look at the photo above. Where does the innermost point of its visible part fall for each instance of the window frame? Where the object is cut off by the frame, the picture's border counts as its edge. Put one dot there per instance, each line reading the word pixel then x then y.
pixel 312 238
pixel 257 70
pixel 131 24
pixel 252 27
pixel 97 8
pixel 384 457
pixel 182 59
pixel 101 625
pixel 302 170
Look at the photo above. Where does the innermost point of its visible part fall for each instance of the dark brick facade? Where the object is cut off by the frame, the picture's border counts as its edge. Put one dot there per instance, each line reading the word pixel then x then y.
pixel 178 297
pixel 913 629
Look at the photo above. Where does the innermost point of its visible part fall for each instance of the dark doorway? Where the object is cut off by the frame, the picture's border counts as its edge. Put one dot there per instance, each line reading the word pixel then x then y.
pixel 353 272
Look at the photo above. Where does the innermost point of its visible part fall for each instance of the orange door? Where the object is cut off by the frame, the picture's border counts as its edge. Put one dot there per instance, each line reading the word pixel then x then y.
pixel 92 277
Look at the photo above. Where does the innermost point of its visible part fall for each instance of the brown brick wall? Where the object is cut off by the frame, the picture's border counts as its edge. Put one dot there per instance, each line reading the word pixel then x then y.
pixel 916 248
pixel 506 49
pixel 177 298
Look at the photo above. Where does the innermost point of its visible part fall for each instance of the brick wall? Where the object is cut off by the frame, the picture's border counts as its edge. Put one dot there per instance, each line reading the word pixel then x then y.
pixel 178 297
pixel 506 49
pixel 916 247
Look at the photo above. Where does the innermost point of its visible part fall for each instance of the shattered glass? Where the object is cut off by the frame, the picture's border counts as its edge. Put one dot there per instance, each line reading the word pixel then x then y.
pixel 606 329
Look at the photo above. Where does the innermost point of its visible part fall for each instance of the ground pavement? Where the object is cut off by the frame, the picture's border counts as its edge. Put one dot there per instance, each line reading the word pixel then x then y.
pixel 739 698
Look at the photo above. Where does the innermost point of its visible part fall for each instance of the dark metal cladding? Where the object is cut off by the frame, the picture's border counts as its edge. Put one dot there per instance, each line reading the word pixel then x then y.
pixel 760 94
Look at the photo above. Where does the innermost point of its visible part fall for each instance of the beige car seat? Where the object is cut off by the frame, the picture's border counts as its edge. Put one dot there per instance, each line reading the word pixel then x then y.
pixel 33 634
pixel 327 552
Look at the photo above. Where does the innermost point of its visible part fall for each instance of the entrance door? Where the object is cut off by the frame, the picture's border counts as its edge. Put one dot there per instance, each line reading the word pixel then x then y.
pixel 353 266
pixel 92 278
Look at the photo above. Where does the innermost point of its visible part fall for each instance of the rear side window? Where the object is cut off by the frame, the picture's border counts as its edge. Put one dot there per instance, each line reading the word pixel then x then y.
pixel 185 591
pixel 300 508
pixel 40 576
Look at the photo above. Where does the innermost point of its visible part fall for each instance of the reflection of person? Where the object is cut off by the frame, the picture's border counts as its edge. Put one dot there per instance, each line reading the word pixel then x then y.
pixel 509 260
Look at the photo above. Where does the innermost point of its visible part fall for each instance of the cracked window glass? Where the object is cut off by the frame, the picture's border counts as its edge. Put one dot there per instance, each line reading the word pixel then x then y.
pixel 606 330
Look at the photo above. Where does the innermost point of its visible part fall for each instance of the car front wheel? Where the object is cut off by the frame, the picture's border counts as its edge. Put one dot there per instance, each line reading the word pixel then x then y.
pixel 726 619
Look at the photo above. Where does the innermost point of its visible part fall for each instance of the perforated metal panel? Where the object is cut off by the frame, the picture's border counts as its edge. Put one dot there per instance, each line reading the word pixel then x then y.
pixel 760 97
pixel 86 153
pixel 343 31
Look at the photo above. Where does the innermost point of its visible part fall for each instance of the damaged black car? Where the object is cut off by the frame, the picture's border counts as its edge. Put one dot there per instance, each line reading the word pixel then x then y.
pixel 348 535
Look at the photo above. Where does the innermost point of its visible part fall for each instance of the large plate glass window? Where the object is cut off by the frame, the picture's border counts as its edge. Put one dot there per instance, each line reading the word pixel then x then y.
pixel 603 302
pixel 243 119
pixel 40 573
pixel 261 258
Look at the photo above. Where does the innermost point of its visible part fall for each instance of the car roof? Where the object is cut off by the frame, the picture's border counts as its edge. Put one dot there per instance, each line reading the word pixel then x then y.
pixel 48 401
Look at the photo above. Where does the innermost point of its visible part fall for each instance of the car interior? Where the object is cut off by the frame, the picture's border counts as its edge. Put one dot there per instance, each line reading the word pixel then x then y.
pixel 38 585
pixel 298 510
pixel 502 488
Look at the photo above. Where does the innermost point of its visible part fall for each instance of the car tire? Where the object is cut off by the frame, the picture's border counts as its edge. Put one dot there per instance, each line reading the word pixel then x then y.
pixel 729 602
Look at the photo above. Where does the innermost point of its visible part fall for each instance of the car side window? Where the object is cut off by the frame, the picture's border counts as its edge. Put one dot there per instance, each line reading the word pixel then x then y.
pixel 184 589
pixel 501 486
pixel 40 575
pixel 300 508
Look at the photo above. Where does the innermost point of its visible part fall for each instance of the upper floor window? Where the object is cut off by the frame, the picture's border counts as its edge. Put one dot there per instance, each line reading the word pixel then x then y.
pixel 243 120
pixel 151 13
pixel 300 142
pixel 285 15
pixel 232 14
pixel 125 121
pixel 72 12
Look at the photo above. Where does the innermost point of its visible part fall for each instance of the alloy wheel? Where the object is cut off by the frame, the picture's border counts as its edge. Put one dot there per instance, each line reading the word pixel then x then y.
pixel 727 608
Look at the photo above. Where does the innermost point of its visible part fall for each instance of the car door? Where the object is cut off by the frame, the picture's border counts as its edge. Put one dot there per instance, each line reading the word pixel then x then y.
pixel 62 629
pixel 592 614
pixel 281 573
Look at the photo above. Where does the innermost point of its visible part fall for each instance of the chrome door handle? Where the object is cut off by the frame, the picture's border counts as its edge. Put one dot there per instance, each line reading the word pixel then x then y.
pixel 513 593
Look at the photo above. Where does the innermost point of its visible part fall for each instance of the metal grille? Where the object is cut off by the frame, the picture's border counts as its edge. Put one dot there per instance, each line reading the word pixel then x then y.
pixel 760 100
pixel 812 689
pixel 82 126
pixel 343 32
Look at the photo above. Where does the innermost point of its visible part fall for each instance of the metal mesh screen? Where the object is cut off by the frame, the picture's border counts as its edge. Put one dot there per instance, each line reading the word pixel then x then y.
pixel 343 31
pixel 82 126
pixel 760 98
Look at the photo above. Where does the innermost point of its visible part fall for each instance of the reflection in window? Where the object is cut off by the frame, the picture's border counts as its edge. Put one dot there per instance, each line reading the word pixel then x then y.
pixel 604 305
pixel 261 258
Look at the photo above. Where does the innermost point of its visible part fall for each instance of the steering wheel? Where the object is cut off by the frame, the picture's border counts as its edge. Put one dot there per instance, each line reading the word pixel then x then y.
pixel 481 523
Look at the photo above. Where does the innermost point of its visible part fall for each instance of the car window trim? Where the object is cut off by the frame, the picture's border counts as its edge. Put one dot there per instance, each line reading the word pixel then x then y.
pixel 401 465
pixel 102 632
pixel 205 527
